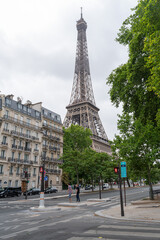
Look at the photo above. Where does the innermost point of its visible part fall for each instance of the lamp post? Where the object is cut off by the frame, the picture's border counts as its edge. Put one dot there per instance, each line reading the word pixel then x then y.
pixel 42 169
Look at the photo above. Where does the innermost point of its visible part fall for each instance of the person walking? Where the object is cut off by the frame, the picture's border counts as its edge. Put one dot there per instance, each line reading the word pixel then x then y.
pixel 77 193
pixel 70 193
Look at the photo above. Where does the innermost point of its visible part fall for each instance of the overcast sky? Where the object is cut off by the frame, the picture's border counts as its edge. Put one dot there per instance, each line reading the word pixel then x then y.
pixel 38 47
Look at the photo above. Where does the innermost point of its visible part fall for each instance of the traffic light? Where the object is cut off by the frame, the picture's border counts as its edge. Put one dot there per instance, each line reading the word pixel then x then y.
pixel 41 169
pixel 116 170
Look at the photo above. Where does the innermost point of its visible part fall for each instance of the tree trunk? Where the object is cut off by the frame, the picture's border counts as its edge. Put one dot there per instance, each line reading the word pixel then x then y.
pixel 128 183
pixel 150 186
pixel 99 188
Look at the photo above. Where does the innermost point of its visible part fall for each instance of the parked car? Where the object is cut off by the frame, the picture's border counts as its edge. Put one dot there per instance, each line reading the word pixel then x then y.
pixel 105 185
pixel 32 191
pixel 10 192
pixel 51 190
pixel 87 187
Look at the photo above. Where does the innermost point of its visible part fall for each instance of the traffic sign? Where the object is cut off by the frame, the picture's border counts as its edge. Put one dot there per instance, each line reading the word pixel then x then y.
pixel 46 178
pixel 41 169
pixel 123 170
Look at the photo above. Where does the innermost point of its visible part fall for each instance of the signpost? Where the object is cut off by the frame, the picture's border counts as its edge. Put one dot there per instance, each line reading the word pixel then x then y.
pixel 124 175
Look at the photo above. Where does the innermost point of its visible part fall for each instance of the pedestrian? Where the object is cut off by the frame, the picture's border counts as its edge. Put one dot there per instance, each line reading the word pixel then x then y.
pixel 70 193
pixel 77 193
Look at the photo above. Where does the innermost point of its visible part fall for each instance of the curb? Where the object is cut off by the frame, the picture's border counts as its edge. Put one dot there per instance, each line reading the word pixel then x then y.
pixel 45 209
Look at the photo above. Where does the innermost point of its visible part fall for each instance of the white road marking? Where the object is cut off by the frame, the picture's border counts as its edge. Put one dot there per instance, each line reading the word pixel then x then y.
pixel 120 233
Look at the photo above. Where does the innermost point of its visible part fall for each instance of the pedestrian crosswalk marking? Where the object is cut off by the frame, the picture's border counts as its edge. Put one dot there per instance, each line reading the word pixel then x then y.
pixel 120 233
pixel 129 227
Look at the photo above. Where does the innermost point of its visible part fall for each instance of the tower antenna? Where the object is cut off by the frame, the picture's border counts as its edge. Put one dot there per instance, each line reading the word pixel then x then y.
pixel 81 13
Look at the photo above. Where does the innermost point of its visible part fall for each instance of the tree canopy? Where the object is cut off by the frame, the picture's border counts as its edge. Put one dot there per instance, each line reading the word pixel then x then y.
pixel 136 84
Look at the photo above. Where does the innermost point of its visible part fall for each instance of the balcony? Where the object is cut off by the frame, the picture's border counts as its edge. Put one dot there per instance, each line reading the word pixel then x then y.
pixel 14 146
pixel 22 123
pixel 11 160
pixel 34 174
pixel 22 175
pixel 20 148
pixel 44 146
pixel 52 148
pixel 11 173
pixel 5 130
pixel 45 125
pixel 4 144
pixel 26 149
pixel 36 150
pixel 2 157
pixel 17 174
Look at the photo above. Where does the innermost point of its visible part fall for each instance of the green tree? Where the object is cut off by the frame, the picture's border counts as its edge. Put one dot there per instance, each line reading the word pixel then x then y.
pixel 136 85
pixel 76 140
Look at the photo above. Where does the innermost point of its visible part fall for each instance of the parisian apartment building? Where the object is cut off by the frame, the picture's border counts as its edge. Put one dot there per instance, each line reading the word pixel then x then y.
pixel 31 136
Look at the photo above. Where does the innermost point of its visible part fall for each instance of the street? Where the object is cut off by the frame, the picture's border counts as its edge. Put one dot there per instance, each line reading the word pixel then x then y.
pixel 18 222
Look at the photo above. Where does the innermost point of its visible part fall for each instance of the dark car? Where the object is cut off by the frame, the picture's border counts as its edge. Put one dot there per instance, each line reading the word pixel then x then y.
pixel 10 192
pixel 32 191
pixel 51 190
pixel 87 187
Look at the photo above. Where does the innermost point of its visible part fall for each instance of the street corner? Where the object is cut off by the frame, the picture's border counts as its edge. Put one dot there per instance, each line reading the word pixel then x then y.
pixel 132 213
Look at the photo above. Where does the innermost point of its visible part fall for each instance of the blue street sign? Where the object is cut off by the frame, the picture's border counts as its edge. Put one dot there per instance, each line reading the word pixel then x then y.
pixel 123 170
pixel 46 178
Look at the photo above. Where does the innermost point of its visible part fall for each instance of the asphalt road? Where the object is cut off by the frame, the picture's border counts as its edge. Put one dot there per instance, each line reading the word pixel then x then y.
pixel 18 222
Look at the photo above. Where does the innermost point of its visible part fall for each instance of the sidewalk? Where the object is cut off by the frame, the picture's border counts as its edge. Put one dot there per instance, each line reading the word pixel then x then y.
pixel 144 210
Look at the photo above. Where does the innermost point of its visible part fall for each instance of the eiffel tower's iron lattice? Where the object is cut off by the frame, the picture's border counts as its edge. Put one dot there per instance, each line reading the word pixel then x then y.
pixel 82 108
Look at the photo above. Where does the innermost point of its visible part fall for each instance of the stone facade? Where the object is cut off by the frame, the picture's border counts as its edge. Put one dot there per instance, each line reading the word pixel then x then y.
pixel 30 136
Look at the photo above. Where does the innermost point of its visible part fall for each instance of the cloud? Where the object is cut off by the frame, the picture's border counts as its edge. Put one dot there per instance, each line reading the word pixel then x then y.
pixel 38 48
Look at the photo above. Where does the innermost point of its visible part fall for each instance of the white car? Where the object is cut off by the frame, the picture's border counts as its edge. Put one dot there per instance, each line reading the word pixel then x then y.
pixel 105 185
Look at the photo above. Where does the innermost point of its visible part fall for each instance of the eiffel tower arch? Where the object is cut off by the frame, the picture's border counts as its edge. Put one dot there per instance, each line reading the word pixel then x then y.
pixel 82 108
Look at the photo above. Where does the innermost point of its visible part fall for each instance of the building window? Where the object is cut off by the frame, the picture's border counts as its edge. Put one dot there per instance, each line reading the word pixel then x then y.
pixel 11 170
pixel 36 135
pixel 37 114
pixel 29 110
pixel 21 121
pixel 15 128
pixel 6 126
pixel 19 106
pixel 0 183
pixel 15 117
pixel 12 155
pixel 34 171
pixel 36 146
pixel 28 132
pixel 57 179
pixel 17 170
pixel 14 141
pixel 16 183
pixel 7 113
pixel 28 121
pixel 24 108
pixel 1 169
pixel 3 152
pixel 21 130
pixel 35 158
pixel 19 156
pixel 8 101
pixel 4 141
pixel 26 157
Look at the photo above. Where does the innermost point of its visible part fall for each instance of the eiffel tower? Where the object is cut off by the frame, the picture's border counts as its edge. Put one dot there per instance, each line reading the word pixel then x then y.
pixel 82 108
